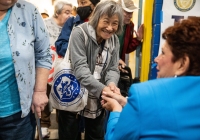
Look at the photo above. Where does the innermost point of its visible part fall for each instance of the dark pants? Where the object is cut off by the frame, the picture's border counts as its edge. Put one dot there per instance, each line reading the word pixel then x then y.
pixel 45 115
pixel 68 126
pixel 16 128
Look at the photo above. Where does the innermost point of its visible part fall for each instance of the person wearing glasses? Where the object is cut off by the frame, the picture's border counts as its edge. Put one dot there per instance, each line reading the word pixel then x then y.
pixel 94 54
pixel 83 12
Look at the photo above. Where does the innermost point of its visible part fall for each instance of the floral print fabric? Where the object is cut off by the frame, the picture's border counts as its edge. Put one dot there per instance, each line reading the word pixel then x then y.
pixel 30 47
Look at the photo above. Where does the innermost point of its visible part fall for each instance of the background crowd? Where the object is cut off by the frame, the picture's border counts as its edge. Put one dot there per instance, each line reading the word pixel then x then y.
pixel 97 34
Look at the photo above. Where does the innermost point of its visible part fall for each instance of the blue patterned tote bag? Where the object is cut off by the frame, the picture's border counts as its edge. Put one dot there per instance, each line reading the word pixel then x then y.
pixel 66 92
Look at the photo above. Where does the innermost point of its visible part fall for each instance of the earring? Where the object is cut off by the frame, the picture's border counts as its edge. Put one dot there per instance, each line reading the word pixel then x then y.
pixel 175 76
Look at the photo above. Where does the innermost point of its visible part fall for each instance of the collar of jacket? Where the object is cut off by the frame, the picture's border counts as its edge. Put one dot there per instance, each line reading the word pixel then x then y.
pixel 77 20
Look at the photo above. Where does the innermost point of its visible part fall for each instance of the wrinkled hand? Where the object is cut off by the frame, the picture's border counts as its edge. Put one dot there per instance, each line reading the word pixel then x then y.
pixel 119 98
pixel 140 32
pixel 114 88
pixel 106 89
pixel 121 66
pixel 39 101
pixel 110 104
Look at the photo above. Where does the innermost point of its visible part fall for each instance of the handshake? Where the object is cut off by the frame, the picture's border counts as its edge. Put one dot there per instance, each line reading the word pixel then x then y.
pixel 112 100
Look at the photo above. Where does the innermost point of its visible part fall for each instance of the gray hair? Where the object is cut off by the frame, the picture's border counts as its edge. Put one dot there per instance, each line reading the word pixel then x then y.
pixel 58 7
pixel 109 8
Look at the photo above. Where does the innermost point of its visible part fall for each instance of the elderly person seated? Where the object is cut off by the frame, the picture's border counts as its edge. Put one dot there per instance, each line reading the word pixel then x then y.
pixel 165 108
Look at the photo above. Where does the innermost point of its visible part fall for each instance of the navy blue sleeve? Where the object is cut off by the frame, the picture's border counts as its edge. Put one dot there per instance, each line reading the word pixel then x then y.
pixel 63 39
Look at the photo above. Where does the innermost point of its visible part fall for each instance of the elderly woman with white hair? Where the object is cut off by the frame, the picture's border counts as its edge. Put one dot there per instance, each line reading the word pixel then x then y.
pixel 95 65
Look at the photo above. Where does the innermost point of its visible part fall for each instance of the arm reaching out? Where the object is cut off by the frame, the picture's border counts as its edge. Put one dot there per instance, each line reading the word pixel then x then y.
pixel 110 104
pixel 119 98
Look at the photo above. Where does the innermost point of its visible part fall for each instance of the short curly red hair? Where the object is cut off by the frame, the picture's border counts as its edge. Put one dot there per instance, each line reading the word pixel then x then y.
pixel 184 40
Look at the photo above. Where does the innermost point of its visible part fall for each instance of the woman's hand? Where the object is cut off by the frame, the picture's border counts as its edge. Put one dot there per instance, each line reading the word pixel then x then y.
pixel 39 98
pixel 39 101
pixel 110 104
pixel 114 88
pixel 107 90
pixel 119 98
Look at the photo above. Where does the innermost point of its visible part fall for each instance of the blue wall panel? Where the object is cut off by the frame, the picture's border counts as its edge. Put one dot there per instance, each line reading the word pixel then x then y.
pixel 157 19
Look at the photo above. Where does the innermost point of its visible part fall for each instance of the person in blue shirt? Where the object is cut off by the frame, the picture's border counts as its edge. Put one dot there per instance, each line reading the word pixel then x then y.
pixel 25 61
pixel 166 108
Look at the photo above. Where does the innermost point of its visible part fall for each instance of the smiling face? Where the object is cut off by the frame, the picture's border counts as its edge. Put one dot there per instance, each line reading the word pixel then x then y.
pixel 165 66
pixel 106 27
pixel 6 4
